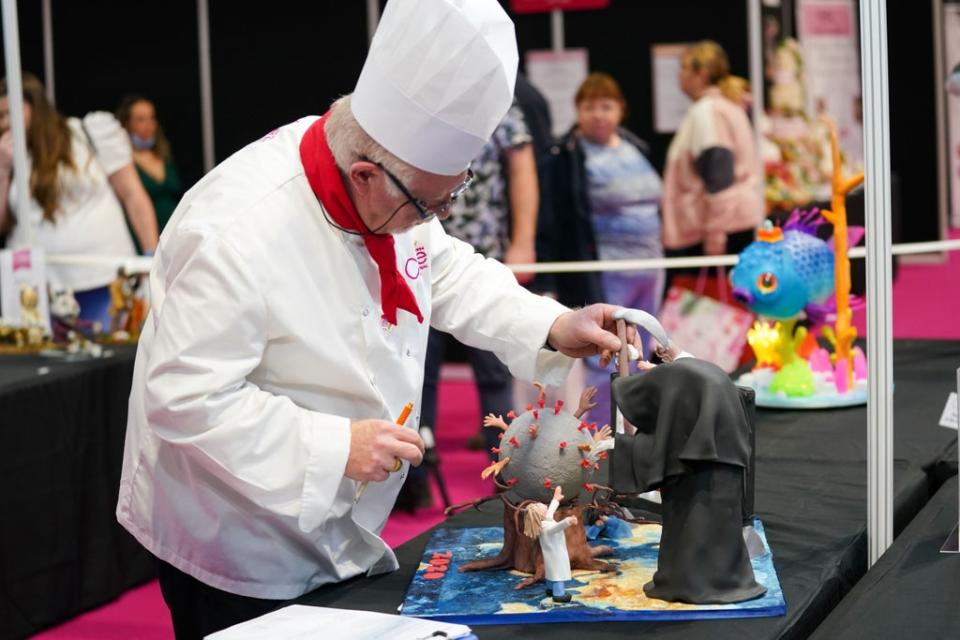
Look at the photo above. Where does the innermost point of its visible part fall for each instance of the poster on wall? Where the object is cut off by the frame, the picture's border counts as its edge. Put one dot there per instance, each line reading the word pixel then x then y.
pixel 827 30
pixel 23 289
pixel 951 53
pixel 558 75
pixel 670 103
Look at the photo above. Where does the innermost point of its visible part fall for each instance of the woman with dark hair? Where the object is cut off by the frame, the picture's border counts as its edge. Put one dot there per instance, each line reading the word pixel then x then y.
pixel 82 181
pixel 151 155
pixel 606 201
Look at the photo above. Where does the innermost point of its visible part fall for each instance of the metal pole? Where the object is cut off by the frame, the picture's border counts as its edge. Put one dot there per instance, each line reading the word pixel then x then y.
pixel 206 93
pixel 876 120
pixel 755 38
pixel 940 99
pixel 48 52
pixel 556 30
pixel 21 172
pixel 373 18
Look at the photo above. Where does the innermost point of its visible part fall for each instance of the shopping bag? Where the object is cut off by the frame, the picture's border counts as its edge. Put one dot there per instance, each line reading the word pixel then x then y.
pixel 711 329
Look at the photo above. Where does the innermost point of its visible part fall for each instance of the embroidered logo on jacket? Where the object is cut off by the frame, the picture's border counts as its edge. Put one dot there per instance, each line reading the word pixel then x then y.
pixel 417 264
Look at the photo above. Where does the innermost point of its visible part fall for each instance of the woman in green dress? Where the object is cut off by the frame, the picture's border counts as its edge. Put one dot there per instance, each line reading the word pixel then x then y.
pixel 151 155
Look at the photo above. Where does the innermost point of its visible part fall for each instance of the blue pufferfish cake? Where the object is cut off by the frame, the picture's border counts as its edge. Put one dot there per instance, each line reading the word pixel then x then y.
pixel 785 271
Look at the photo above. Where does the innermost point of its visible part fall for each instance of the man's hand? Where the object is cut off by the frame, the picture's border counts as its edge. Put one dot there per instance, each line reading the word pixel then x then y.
pixel 374 446
pixel 589 331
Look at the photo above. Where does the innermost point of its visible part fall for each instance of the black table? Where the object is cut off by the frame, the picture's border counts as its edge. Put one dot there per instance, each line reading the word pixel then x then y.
pixel 811 494
pixel 61 447
pixel 913 590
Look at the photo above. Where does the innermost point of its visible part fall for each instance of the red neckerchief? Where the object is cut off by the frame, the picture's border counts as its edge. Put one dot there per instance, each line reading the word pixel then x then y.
pixel 327 185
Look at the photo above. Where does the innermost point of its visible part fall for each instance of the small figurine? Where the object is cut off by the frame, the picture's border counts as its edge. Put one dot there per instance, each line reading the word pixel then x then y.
pixel 538 522
pixel 30 318
pixel 127 310
pixel 608 526
pixel 65 312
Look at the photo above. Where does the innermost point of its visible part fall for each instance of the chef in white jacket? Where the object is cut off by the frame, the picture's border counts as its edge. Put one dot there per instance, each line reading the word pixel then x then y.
pixel 292 291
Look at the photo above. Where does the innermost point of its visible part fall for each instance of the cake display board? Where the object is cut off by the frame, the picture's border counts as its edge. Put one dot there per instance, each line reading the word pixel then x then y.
pixel 439 590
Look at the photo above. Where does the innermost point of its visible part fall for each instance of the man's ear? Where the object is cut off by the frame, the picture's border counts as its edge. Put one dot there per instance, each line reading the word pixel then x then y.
pixel 362 175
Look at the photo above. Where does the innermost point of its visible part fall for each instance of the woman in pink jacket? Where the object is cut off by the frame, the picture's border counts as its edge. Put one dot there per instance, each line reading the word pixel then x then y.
pixel 712 198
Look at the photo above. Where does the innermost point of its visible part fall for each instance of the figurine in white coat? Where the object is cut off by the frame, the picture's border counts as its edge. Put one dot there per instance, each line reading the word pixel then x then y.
pixel 538 522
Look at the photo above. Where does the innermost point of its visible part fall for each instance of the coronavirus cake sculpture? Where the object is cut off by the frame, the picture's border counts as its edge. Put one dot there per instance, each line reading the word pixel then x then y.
pixel 544 448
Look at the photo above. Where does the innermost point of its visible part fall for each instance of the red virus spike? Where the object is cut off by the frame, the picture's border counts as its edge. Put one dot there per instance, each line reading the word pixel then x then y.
pixel 547 484
pixel 513 440
pixel 593 426
pixel 602 455
pixel 596 467
pixel 542 402
pixel 500 436
pixel 583 425
pixel 529 407
pixel 512 481
pixel 494 450
pixel 557 407
pixel 585 463
pixel 563 445
pixel 511 414
pixel 536 415
pixel 589 487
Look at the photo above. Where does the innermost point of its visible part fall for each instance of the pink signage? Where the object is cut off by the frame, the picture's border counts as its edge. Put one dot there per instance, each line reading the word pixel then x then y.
pixel 539 6
pixel 826 19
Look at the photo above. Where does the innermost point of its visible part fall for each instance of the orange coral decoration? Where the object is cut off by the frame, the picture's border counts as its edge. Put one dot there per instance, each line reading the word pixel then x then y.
pixel 844 331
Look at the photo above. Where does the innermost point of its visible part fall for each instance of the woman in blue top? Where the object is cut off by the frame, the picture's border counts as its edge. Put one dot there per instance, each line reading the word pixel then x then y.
pixel 606 207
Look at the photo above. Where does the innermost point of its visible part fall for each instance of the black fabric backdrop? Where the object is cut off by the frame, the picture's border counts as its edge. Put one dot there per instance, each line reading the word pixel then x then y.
pixel 61 446
pixel 913 590
pixel 810 493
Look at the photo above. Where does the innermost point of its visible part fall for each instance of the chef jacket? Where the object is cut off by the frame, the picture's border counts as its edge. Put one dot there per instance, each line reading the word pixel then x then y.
pixel 263 343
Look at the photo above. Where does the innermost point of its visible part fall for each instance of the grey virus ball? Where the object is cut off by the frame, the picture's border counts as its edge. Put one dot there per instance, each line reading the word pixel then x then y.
pixel 550 458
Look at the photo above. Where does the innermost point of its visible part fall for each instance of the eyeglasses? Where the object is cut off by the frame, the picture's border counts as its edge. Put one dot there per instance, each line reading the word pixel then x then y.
pixel 429 213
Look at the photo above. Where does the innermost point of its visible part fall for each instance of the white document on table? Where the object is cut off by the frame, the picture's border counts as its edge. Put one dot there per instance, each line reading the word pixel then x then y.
pixel 948 418
pixel 301 622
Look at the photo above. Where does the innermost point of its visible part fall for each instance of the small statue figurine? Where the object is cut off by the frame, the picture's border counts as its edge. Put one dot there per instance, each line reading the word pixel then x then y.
pixel 538 522
pixel 65 312
pixel 30 318
pixel 127 310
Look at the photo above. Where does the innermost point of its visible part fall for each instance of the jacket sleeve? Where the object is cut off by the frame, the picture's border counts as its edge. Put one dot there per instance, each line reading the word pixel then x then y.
pixel 479 301
pixel 712 148
pixel 211 331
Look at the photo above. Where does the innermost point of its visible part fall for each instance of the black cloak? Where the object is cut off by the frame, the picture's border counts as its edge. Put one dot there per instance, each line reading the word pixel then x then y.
pixel 693 442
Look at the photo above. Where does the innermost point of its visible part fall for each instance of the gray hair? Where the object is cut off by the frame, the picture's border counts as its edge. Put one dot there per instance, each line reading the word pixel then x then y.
pixel 349 143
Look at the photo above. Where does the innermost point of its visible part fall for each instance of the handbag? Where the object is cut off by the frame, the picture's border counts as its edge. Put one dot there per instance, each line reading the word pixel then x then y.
pixel 710 328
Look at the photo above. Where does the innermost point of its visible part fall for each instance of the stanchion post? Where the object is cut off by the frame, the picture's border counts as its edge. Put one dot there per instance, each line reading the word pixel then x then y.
pixel 873 21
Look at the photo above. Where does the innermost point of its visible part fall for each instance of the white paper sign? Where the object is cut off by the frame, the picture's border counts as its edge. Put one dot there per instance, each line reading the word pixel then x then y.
pixel 23 288
pixel 827 30
pixel 670 103
pixel 300 622
pixel 948 418
pixel 558 75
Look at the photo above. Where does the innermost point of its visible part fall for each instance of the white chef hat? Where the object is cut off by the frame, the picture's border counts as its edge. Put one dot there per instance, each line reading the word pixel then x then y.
pixel 437 81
